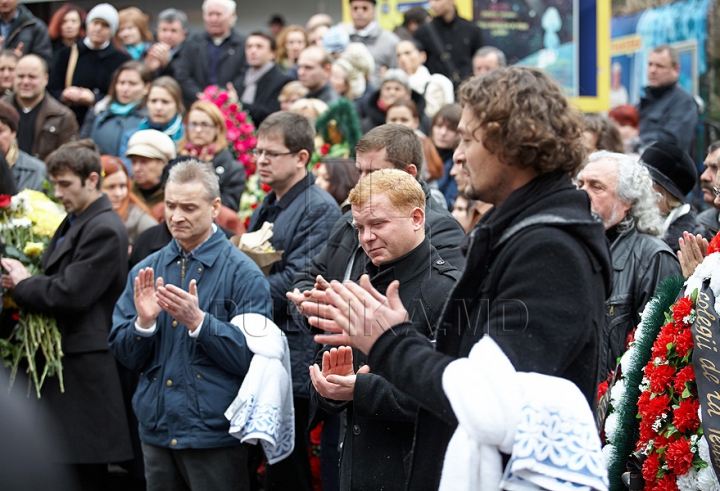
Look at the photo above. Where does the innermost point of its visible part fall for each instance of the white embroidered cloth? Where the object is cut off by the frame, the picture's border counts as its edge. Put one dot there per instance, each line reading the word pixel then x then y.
pixel 263 409
pixel 544 422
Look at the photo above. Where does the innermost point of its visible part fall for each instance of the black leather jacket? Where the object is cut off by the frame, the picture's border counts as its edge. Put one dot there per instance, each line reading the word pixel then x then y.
pixel 640 263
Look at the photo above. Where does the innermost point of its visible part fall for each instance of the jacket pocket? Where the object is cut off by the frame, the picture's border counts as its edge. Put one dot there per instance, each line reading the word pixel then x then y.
pixel 619 321
pixel 215 389
pixel 146 401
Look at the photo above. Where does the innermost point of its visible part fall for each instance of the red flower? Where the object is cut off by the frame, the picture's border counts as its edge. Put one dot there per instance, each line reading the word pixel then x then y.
pixel 656 407
pixel 678 456
pixel 602 389
pixel 254 205
pixel 684 342
pixel 646 434
pixel 667 483
pixel 15 316
pixel 660 380
pixel 660 348
pixel 5 200
pixel 325 149
pixel 232 108
pixel 265 187
pixel 685 417
pixel 687 374
pixel 650 468
pixel 682 309
pixel 714 245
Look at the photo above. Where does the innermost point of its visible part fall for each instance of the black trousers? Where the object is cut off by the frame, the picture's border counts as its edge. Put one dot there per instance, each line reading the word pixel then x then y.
pixel 293 473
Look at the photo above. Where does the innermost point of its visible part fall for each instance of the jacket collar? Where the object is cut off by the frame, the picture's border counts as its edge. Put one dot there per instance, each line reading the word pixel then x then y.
pixel 658 92
pixel 293 193
pixel 622 247
pixel 72 230
pixel 402 269
pixel 207 252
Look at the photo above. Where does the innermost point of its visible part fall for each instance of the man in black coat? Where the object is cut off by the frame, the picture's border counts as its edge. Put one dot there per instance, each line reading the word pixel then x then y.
pixel 21 31
pixel 85 271
pixel 164 56
pixel 538 267
pixel 263 80
pixel 215 57
pixel 388 209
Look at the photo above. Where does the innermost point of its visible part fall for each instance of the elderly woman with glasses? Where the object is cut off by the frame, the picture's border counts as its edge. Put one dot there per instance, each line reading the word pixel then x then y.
pixel 206 139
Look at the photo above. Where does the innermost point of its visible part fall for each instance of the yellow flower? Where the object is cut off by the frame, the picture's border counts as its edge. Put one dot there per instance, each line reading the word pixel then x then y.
pixel 44 213
pixel 33 249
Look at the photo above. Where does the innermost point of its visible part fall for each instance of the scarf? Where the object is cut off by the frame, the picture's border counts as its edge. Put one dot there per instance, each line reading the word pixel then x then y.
pixel 136 51
pixel 122 109
pixel 252 77
pixel 173 128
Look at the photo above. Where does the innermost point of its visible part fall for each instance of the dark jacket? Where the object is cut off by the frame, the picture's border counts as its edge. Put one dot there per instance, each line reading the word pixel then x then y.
pixel 32 32
pixel 302 222
pixel 710 220
pixel 93 71
pixel 187 383
pixel 372 116
pixel 640 263
pixel 192 71
pixel 538 270
pixel 381 419
pixel 29 172
pixel 459 37
pixel 441 228
pixel 266 97
pixel 668 114
pixel 55 125
pixel 326 93
pixel 107 129
pixel 84 276
pixel 687 222
pixel 232 178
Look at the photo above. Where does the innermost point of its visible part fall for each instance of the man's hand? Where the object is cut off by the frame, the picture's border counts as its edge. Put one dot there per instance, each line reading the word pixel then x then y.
pixel 359 312
pixel 181 305
pixel 232 92
pixel 692 252
pixel 145 296
pixel 16 273
pixel 78 96
pixel 158 56
pixel 336 381
pixel 298 297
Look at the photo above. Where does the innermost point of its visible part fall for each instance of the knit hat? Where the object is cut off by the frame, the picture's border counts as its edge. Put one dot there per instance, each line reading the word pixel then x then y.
pixel 356 80
pixel 396 75
pixel 152 144
pixel 671 168
pixel 335 40
pixel 360 57
pixel 106 12
pixel 9 116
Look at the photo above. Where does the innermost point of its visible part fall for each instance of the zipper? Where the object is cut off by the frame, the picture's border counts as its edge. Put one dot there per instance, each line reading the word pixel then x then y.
pixel 182 272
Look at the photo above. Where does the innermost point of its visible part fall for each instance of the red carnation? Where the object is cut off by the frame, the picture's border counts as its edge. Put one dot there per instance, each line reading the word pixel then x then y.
pixel 684 342
pixel 656 407
pixel 325 149
pixel 15 316
pixel 660 348
pixel 602 389
pixel 265 187
pixel 683 376
pixel 714 245
pixel 646 434
pixel 254 205
pixel 660 380
pixel 5 200
pixel 685 417
pixel 682 309
pixel 678 456
pixel 667 483
pixel 650 468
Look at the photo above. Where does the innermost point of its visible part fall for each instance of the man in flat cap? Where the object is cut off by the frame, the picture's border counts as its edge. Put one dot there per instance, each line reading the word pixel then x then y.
pixel 150 151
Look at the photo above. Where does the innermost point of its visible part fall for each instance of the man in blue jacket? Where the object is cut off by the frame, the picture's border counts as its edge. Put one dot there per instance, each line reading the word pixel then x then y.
pixel 172 325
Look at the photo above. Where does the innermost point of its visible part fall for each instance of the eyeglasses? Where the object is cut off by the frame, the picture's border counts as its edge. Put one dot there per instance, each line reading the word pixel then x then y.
pixel 200 126
pixel 257 153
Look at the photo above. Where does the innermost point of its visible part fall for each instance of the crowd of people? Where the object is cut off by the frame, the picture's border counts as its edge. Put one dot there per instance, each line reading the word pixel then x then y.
pixel 473 196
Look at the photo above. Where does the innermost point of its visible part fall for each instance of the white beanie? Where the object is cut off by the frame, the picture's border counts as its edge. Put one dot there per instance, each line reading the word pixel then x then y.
pixel 106 12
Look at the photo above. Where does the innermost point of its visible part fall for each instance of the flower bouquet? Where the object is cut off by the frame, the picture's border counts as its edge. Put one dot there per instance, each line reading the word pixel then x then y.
pixel 27 223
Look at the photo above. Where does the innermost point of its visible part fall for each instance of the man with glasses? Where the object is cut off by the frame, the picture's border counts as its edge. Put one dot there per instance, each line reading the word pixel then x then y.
pixel 303 215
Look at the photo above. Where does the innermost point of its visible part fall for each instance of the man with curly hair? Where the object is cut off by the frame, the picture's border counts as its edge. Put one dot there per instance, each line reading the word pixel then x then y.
pixel 537 273
pixel 621 192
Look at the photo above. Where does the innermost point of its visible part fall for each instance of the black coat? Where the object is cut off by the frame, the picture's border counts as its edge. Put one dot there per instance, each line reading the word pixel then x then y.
pixel 538 271
pixel 84 277
pixel 381 419
pixel 232 178
pixel 372 116
pixel 192 72
pixel 32 33
pixel 668 114
pixel 266 97
pixel 94 71
pixel 687 222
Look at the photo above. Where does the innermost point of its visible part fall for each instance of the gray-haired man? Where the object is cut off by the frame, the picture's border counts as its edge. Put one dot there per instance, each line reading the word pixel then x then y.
pixel 163 56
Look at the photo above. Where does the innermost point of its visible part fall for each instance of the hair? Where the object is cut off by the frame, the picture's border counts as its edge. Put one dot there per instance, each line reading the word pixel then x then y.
pixel 171 15
pixel 325 58
pixel 112 165
pixel 318 20
pixel 170 84
pixel 342 177
pixel 229 5
pixel 471 208
pixel 81 157
pixel 297 132
pixel 8 53
pixel 492 50
pixel 674 56
pixel 415 14
pixel 635 186
pixel 266 36
pixel 139 18
pixel 401 144
pixel 526 119
pixel 136 66
pixel 55 24
pixel 281 52
pixel 448 116
pixel 315 105
pixel 713 147
pixel 408 104
pixel 194 170
pixel 625 115
pixel 608 135
pixel 216 116
pixel 292 88
pixel 403 190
